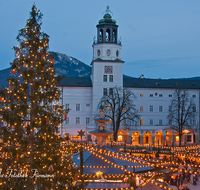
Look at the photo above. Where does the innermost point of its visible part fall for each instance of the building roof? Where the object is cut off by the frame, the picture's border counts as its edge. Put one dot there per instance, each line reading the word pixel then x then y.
pixel 160 83
pixel 76 82
pixel 136 83
pixel 92 160
pixel 103 131
pixel 102 60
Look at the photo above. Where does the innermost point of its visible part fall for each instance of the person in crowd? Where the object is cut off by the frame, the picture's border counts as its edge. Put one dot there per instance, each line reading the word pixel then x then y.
pixel 181 179
pixel 194 180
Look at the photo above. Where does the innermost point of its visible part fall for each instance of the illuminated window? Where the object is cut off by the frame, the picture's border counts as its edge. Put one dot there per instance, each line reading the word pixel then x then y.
pixel 77 120
pixel 78 107
pixel 177 138
pixel 124 122
pixel 74 138
pixel 141 122
pixel 119 138
pixel 87 120
pixel 141 95
pixel 67 121
pixel 141 108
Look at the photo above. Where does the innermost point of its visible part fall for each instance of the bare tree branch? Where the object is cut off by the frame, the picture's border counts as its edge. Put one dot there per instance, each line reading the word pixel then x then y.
pixel 120 107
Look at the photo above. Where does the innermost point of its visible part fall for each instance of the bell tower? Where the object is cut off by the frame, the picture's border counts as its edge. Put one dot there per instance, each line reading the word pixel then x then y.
pixel 106 46
pixel 107 66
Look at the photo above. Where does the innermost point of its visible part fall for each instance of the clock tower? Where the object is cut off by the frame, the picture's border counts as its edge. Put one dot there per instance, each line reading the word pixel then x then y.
pixel 107 66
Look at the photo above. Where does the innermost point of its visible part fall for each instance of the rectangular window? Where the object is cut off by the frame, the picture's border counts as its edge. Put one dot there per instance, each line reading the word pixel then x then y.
pixel 141 122
pixel 110 78
pixel 189 138
pixel 160 95
pixel 77 107
pixel 105 93
pixel 194 96
pixel 67 121
pixel 111 91
pixel 87 120
pixel 160 121
pixel 194 109
pixel 151 121
pixel 170 122
pixel 151 95
pixel 77 120
pixel 141 108
pixel 104 78
pixel 194 122
pixel 66 106
pixel 160 108
pixel 87 106
pixel 141 95
pixel 170 95
pixel 170 108
pixel 151 109
pixel 124 122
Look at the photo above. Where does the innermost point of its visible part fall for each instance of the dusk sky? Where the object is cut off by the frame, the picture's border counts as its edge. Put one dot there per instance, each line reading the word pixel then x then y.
pixel 160 38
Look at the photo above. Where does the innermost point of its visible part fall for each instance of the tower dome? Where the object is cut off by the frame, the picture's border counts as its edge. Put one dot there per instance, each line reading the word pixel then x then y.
pixel 107 29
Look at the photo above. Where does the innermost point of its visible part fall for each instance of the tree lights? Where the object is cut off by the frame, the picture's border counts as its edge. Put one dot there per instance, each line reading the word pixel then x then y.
pixel 32 111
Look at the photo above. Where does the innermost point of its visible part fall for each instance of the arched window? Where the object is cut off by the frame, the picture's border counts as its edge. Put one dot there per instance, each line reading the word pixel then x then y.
pixel 101 35
pixel 108 35
pixel 114 35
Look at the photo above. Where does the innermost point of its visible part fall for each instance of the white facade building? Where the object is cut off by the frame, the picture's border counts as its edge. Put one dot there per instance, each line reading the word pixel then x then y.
pixel 82 95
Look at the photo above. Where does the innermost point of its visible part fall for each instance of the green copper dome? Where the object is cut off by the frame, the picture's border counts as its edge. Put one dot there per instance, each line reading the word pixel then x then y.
pixel 107 19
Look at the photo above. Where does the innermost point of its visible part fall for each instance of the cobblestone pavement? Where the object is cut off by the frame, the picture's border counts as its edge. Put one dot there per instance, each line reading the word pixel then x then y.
pixel 192 187
pixel 189 185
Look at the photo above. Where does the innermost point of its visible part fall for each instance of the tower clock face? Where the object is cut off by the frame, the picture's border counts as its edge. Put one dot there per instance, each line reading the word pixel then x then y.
pixel 108 52
pixel 108 69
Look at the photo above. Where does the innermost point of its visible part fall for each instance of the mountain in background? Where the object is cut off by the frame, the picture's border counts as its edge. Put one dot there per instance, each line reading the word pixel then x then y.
pixel 68 66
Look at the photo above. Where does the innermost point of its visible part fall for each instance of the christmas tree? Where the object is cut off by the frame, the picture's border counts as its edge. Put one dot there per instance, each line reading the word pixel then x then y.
pixel 31 153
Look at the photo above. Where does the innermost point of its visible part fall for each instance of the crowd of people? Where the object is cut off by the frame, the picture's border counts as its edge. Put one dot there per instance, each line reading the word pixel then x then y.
pixel 184 178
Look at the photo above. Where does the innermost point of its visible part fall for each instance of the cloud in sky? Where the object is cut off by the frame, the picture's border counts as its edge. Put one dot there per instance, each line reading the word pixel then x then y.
pixel 162 34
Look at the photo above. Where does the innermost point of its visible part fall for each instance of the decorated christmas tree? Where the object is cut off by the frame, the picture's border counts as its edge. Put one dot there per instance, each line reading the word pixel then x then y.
pixel 31 153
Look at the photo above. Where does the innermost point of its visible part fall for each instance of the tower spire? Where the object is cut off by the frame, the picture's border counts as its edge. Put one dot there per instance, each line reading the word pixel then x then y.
pixel 107 11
